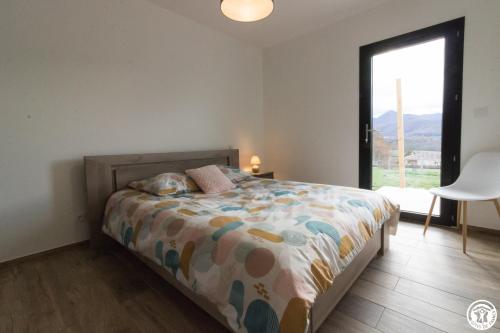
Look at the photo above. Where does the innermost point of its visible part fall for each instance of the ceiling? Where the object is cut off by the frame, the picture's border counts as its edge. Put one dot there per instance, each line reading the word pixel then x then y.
pixel 289 19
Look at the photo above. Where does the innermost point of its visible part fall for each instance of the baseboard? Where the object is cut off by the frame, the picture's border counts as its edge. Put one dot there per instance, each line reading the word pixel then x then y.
pixel 472 228
pixel 42 254
pixel 481 229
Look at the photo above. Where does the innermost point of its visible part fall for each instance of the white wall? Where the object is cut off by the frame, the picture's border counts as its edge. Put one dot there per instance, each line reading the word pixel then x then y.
pixel 311 90
pixel 108 77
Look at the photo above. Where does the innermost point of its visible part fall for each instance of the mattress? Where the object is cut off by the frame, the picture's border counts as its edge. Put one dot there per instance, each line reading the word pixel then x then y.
pixel 262 252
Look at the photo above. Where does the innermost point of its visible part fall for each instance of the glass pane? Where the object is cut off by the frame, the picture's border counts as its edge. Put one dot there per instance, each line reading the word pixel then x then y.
pixel 407 117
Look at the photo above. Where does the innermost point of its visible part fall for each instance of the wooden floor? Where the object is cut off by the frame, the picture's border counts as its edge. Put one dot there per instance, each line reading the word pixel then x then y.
pixel 421 285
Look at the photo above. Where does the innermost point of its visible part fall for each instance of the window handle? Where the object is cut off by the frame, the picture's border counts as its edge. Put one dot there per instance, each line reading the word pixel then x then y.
pixel 367 131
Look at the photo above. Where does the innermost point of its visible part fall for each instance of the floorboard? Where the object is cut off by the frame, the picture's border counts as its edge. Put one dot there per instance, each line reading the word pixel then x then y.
pixel 421 285
pixel 361 309
pixel 381 278
pixel 394 322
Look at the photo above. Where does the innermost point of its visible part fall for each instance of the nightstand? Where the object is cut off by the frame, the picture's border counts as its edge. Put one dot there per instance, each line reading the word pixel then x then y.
pixel 266 174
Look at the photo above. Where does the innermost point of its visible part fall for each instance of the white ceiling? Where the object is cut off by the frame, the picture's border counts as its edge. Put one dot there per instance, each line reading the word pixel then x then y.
pixel 289 19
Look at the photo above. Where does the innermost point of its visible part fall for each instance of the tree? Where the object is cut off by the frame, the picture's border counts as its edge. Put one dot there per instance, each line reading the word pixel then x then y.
pixel 381 151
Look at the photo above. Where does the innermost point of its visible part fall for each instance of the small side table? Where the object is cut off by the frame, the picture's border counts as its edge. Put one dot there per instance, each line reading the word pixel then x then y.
pixel 266 174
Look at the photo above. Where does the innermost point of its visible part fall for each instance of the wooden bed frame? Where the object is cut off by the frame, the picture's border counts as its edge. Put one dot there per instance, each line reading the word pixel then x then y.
pixel 108 174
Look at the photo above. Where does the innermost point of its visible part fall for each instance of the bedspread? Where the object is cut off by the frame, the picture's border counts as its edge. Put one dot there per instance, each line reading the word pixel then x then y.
pixel 261 252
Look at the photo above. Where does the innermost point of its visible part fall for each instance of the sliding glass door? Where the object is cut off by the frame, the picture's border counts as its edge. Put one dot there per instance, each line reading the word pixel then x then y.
pixel 410 117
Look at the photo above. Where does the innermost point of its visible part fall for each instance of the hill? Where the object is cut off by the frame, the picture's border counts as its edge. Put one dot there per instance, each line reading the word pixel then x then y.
pixel 422 132
pixel 415 125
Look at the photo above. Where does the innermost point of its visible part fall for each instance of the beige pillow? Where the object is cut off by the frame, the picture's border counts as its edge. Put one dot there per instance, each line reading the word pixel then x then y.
pixel 210 179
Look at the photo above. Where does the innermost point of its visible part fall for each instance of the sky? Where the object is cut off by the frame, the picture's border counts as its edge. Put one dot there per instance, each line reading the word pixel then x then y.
pixel 421 69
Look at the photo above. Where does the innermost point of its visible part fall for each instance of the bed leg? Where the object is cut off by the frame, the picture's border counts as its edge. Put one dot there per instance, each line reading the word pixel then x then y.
pixel 311 328
pixel 384 240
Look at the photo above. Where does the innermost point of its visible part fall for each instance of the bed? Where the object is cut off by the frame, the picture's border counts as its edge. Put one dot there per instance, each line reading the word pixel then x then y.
pixel 268 256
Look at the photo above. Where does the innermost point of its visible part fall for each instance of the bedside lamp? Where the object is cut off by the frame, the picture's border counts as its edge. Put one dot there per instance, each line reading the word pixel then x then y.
pixel 255 162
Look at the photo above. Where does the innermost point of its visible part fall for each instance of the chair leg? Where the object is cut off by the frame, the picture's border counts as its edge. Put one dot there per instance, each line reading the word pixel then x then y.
pixel 497 205
pixel 428 220
pixel 464 227
pixel 459 214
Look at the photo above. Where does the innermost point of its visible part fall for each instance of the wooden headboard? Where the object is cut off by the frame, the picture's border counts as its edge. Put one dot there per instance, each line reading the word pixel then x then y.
pixel 110 173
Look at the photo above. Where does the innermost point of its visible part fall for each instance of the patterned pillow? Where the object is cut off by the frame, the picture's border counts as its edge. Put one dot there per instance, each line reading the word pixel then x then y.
pixel 166 184
pixel 210 179
pixel 234 174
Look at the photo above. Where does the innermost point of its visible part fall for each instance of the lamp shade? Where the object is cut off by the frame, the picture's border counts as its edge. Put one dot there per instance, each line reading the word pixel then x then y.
pixel 247 10
pixel 255 160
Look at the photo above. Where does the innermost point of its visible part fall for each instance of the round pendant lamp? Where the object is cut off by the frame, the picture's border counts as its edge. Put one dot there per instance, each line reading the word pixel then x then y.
pixel 247 10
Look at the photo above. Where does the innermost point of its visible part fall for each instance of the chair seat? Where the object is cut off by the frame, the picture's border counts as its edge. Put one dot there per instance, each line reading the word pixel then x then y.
pixel 455 193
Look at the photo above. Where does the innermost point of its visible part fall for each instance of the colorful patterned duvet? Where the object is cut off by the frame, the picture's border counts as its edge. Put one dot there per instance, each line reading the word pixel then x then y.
pixel 261 252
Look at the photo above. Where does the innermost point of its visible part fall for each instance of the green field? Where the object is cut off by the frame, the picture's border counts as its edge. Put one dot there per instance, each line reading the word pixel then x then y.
pixel 419 178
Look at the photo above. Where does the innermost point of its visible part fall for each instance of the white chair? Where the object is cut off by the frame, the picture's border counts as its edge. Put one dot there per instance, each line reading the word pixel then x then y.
pixel 478 181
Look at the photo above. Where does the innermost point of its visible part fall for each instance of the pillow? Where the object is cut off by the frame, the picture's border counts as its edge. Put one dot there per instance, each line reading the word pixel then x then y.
pixel 166 184
pixel 210 179
pixel 234 174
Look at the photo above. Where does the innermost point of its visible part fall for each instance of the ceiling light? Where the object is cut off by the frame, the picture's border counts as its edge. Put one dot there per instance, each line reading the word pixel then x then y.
pixel 247 10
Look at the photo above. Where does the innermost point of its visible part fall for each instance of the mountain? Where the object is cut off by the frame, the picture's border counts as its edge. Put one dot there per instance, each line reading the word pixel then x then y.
pixel 422 132
pixel 426 125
